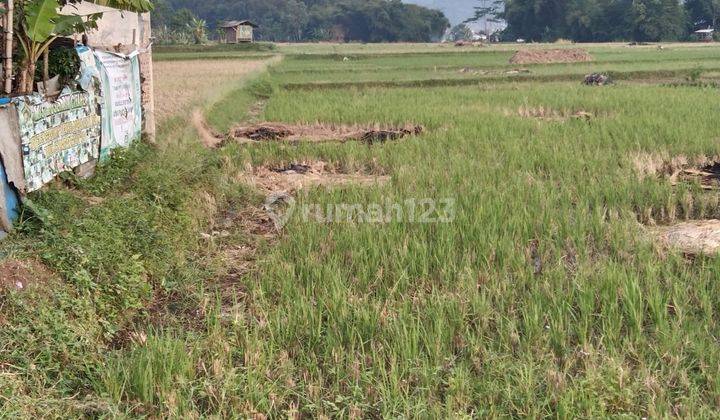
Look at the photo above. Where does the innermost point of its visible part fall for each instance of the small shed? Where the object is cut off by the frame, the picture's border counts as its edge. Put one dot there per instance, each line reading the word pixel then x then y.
pixel 237 31
pixel 705 35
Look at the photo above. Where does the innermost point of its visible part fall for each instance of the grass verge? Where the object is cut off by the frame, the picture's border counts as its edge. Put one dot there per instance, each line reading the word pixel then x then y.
pixel 111 331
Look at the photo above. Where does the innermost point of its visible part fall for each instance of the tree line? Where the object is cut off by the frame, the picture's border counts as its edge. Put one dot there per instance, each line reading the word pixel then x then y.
pixel 600 20
pixel 309 20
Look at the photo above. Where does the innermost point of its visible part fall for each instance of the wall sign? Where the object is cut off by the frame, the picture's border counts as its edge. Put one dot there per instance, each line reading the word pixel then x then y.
pixel 122 104
pixel 57 136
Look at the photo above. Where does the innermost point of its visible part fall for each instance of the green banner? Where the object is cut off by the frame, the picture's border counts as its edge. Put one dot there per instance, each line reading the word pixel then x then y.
pixel 57 136
pixel 122 106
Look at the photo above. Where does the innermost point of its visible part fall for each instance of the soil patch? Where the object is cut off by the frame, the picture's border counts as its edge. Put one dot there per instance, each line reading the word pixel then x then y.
pixel 704 170
pixel 697 237
pixel 21 274
pixel 299 175
pixel 322 133
pixel 571 55
pixel 550 114
pixel 208 136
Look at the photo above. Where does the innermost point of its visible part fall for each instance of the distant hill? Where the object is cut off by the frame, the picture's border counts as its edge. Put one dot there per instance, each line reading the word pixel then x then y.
pixel 305 20
pixel 455 10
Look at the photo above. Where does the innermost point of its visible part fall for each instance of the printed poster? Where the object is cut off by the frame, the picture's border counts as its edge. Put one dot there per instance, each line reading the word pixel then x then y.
pixel 122 106
pixel 57 136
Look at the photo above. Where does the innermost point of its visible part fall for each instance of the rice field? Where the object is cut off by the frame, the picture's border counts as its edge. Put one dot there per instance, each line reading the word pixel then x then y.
pixel 181 85
pixel 533 288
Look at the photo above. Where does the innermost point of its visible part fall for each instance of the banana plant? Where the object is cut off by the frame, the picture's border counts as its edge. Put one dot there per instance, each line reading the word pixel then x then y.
pixel 39 24
pixel 198 27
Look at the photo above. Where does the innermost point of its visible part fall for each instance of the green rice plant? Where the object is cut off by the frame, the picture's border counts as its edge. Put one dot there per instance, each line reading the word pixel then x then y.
pixel 156 372
pixel 545 296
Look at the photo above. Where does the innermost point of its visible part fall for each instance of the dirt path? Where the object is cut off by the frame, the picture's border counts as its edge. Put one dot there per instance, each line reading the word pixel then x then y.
pixel 208 136
pixel 188 84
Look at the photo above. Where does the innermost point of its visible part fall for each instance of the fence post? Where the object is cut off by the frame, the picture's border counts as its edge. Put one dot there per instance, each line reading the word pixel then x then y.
pixel 146 78
pixel 8 62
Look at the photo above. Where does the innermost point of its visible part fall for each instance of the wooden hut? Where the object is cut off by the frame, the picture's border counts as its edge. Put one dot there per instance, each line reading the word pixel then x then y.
pixel 705 35
pixel 237 31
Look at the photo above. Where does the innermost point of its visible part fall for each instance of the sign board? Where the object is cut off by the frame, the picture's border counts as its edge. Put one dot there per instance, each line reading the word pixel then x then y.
pixel 57 136
pixel 122 102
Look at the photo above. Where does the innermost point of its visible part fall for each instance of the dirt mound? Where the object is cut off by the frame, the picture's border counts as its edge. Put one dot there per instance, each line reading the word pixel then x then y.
pixel 697 237
pixel 298 175
pixel 264 132
pixel 19 275
pixel 597 79
pixel 322 133
pixel 570 55
pixel 381 136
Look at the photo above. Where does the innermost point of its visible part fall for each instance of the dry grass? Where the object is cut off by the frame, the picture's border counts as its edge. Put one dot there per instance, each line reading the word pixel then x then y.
pixel 662 164
pixel 565 55
pixel 549 114
pixel 273 179
pixel 181 86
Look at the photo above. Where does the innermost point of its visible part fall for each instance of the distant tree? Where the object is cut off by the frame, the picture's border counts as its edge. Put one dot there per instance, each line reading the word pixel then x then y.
pixel 420 23
pixel 535 20
pixel 278 19
pixel 489 10
pixel 349 20
pixel 703 13
pixel 162 14
pixel 181 19
pixel 198 28
pixel 656 20
pixel 460 32
pixel 591 20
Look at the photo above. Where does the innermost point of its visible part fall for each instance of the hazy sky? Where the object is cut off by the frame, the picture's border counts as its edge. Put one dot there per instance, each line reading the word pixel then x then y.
pixel 455 10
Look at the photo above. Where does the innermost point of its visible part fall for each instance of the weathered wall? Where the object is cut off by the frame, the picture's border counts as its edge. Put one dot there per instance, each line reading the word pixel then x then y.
pixel 20 133
pixel 116 28
pixel 125 32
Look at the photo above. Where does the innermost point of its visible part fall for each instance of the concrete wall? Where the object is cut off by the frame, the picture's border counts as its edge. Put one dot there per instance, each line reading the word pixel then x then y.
pixel 115 28
pixel 124 32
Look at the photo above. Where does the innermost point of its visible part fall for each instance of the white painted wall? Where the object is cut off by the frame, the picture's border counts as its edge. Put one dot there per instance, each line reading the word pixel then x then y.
pixel 115 27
